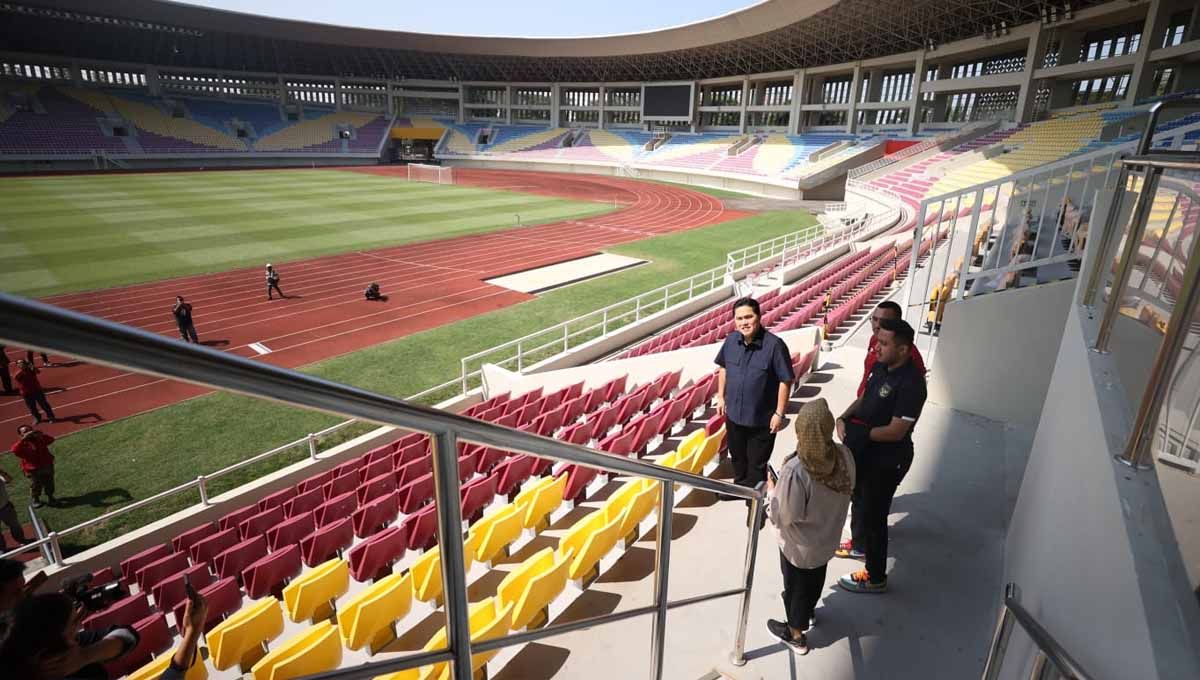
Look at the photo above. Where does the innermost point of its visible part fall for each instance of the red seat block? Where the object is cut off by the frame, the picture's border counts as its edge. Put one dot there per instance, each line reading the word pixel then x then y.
pixel 512 473
pixel 231 562
pixel 150 575
pixel 377 487
pixel 233 519
pixel 130 565
pixel 413 470
pixel 578 477
pixel 123 612
pixel 170 591
pixel 184 542
pixel 374 557
pixel 153 639
pixel 268 575
pixel 257 525
pixel 305 501
pixel 339 485
pixel 278 498
pixel 415 494
pixel 315 482
pixel 291 530
pixel 376 514
pixel 206 550
pixel 477 495
pixel 340 507
pixel 421 528
pixel 224 598
pixel 326 541
pixel 378 467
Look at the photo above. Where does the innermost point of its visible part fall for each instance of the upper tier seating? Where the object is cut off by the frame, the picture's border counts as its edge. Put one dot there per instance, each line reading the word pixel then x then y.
pixel 157 129
pixel 67 126
pixel 317 134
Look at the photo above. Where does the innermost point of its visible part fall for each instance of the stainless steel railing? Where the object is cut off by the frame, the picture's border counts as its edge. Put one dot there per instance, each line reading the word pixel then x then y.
pixel 39 326
pixel 1049 650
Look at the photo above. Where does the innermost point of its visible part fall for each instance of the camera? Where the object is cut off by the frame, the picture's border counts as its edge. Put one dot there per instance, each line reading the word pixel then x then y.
pixel 96 598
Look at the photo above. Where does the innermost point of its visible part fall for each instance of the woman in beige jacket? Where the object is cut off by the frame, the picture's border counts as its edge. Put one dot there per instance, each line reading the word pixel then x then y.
pixel 808 507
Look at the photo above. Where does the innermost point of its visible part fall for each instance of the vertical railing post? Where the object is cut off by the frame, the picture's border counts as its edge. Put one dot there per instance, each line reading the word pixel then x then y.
pixel 662 573
pixel 462 365
pixel 566 337
pixel 312 446
pixel 454 579
pixel 918 228
pixel 202 486
pixel 604 323
pixel 520 357
pixel 995 657
pixel 738 657
pixel 55 549
pixel 1137 225
pixel 1107 231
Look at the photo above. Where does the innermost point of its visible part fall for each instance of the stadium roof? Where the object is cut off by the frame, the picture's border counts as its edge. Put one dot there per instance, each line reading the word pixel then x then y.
pixel 774 35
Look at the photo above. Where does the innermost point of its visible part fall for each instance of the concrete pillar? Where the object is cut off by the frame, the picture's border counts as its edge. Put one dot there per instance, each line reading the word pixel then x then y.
pixel 743 115
pixel 506 103
pixel 914 106
pixel 462 100
pixel 1035 51
pixel 601 123
pixel 337 94
pixel 852 114
pixel 941 107
pixel 152 85
pixel 555 104
pixel 1142 77
pixel 283 93
pixel 794 114
pixel 1193 29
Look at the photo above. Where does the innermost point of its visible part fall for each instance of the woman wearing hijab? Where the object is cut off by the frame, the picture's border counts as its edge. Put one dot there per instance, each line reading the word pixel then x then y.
pixel 808 507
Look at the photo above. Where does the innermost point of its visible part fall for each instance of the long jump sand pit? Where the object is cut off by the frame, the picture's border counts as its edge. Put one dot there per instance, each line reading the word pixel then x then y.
pixel 541 279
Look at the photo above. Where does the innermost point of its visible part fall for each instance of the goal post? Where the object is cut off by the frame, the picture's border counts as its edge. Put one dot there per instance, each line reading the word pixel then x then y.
pixel 436 174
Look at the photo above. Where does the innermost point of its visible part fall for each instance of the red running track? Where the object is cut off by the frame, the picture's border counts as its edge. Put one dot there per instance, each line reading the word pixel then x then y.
pixel 429 284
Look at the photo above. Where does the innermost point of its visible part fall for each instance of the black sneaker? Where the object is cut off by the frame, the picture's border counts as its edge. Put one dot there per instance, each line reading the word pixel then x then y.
pixel 798 645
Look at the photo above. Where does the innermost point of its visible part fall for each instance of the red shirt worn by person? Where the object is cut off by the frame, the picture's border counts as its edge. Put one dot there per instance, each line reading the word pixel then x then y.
pixel 27 383
pixel 873 356
pixel 34 452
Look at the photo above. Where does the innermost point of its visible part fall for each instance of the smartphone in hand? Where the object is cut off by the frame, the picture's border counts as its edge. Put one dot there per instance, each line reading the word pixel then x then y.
pixel 191 591
pixel 772 474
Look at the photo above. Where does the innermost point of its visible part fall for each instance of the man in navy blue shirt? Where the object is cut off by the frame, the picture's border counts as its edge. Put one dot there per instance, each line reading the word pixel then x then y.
pixel 752 391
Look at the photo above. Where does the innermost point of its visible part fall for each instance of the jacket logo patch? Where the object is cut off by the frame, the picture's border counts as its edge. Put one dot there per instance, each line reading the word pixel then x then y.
pixel 884 391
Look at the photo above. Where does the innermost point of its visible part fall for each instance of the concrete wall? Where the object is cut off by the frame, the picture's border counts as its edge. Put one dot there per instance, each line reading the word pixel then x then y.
pixel 1083 545
pixel 1013 333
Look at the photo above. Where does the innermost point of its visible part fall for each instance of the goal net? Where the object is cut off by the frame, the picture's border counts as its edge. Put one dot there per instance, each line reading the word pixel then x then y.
pixel 430 173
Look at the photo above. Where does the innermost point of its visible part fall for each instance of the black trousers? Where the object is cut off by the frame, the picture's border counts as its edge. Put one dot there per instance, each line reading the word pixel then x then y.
pixel 750 450
pixel 29 357
pixel 274 287
pixel 34 401
pixel 8 516
pixel 6 377
pixel 188 332
pixel 879 477
pixel 801 591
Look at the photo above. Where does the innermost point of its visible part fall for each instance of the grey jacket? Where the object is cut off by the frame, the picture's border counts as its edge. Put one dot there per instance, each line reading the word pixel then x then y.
pixel 808 516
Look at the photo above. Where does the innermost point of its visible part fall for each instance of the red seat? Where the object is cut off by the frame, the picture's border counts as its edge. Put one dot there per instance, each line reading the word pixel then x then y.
pixel 631 406
pixel 378 467
pixel 572 410
pixel 268 575
pixel 466 466
pixel 374 557
pixel 421 528
pixel 615 388
pixel 339 507
pixel 509 419
pixel 290 531
pixel 512 473
pixel 578 477
pixel 602 422
pixel 170 591
pixel 413 470
pixel 103 576
pixel 153 639
pixel 353 465
pixel 152 574
pixel 183 542
pixel 573 391
pixel 416 493
pixel 675 410
pixel 489 458
pixel 380 453
pixel 547 423
pixel 234 560
pixel 315 482
pixel 377 487
pixel 327 541
pixel 233 519
pixel 257 525
pixel 620 444
pixel 277 499
pixel 206 550
pixel 410 453
pixel 304 502
pixel 646 430
pixel 130 565
pixel 713 424
pixel 223 597
pixel 593 399
pixel 477 495
pixel 123 612
pixel 345 483
pixel 576 434
pixel 412 438
pixel 553 400
pixel 376 514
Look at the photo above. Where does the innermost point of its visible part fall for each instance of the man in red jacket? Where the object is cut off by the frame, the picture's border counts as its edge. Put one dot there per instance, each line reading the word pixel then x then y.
pixel 32 392
pixel 33 448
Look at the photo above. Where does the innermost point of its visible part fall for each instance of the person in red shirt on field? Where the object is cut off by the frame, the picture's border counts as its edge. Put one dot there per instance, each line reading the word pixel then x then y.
pixel 32 392
pixel 853 548
pixel 33 448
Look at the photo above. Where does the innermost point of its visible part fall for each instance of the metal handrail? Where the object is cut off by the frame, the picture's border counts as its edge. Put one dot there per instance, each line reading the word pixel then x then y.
pixel 1055 653
pixel 43 327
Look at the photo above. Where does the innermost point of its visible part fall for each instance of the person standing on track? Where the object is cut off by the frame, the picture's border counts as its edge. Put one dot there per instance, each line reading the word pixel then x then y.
pixel 32 392
pixel 183 317
pixel 5 376
pixel 45 359
pixel 273 283
pixel 33 448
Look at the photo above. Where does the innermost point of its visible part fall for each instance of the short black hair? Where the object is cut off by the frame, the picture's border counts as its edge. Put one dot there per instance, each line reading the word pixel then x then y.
pixel 892 307
pixel 10 569
pixel 747 302
pixel 903 333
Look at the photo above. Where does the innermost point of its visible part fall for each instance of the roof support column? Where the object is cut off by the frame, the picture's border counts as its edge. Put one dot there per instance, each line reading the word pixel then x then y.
pixel 337 94
pixel 914 104
pixel 794 114
pixel 852 114
pixel 506 103
pixel 462 99
pixel 1141 79
pixel 1035 51
pixel 555 102
pixel 745 101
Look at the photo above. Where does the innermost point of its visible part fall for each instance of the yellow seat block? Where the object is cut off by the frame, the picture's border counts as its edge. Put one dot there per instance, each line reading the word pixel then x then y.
pixel 670 460
pixel 487 619
pixel 314 650
pixel 319 585
pixel 533 585
pixel 374 610
pixel 490 535
pixel 537 501
pixel 406 674
pixel 154 669
pixel 634 501
pixel 590 539
pixel 691 442
pixel 707 451
pixel 427 575
pixel 245 629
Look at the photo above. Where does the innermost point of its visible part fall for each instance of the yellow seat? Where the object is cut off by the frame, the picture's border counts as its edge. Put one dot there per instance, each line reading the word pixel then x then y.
pixel 315 588
pixel 538 500
pixel 487 619
pixel 154 669
pixel 427 575
pixel 590 539
pixel 406 674
pixel 670 460
pixel 634 500
pixel 229 641
pixel 491 535
pixel 691 442
pixel 533 585
pixel 314 650
pixel 368 616
pixel 707 451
